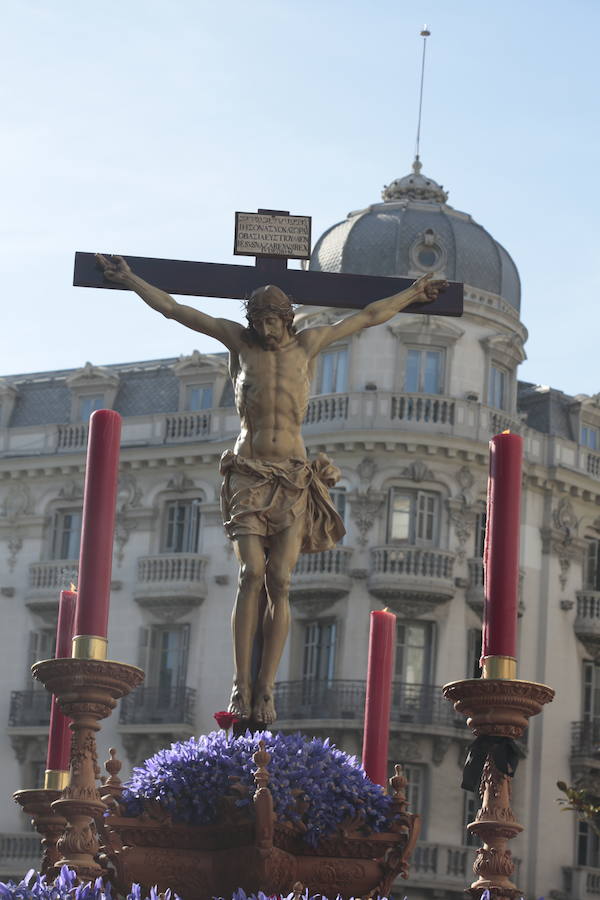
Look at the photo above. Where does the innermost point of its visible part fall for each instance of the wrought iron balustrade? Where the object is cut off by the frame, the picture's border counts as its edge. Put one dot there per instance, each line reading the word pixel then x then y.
pixel 29 708
pixel 154 705
pixel 422 704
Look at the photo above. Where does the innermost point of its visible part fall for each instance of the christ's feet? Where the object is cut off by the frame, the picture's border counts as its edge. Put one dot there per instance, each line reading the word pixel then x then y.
pixel 239 703
pixel 263 710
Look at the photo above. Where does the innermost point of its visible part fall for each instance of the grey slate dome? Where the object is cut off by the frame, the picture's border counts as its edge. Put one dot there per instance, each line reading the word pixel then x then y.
pixel 414 231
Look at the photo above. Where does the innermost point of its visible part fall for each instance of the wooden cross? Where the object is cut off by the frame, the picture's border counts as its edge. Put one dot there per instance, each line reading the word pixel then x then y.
pixel 201 279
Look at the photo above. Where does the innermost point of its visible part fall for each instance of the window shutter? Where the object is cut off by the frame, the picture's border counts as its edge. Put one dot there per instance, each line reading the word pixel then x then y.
pixel 32 656
pixel 183 655
pixel 142 653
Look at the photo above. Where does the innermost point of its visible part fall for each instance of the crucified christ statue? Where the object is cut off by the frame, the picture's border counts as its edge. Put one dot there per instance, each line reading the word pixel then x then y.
pixel 275 503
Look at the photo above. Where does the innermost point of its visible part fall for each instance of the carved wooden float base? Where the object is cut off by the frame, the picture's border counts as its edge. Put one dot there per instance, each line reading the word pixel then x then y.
pixel 253 850
pixel 201 863
pixel 496 708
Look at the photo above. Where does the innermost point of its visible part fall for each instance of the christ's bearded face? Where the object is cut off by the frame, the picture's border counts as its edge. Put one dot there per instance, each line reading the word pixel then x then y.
pixel 270 329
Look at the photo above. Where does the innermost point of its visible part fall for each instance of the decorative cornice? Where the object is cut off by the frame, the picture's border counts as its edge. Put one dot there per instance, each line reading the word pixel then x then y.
pixel 92 376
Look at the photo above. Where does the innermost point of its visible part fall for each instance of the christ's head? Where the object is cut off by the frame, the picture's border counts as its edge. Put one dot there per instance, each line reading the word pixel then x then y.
pixel 270 316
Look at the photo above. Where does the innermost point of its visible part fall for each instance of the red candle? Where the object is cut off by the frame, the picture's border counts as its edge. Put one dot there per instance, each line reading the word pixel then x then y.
pixel 95 557
pixel 501 553
pixel 59 737
pixel 382 642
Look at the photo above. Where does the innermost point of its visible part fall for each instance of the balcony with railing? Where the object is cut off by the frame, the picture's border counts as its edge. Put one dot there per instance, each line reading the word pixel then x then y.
pixel 327 572
pixel 29 709
pixel 414 574
pixel 154 706
pixel 51 576
pixel 585 743
pixel 344 701
pixel 587 620
pixel 443 867
pixel 19 852
pixel 581 882
pixel 173 577
pixel 187 426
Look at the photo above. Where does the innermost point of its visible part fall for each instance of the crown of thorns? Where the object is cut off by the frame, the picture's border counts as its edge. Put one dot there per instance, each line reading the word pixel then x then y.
pixel 263 304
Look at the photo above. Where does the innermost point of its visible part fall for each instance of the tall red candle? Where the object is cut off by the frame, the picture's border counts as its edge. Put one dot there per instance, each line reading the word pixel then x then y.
pixel 501 555
pixel 378 700
pixel 59 737
pixel 98 525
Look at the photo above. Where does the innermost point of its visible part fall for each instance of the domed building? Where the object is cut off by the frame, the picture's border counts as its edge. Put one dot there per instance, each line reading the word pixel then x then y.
pixel 406 410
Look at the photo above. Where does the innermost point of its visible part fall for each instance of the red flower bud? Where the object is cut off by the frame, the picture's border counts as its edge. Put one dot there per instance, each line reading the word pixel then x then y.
pixel 225 719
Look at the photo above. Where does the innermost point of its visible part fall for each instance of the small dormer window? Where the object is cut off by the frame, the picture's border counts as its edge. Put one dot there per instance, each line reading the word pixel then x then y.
pixel 198 396
pixel 589 437
pixel 87 404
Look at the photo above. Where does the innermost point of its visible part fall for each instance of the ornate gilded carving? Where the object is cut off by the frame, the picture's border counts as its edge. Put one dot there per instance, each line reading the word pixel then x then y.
pixel 87 691
pixel 502 708
pixel 37 804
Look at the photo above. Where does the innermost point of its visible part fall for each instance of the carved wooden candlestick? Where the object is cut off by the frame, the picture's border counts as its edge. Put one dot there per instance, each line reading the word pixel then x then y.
pixel 496 708
pixel 87 691
pixel 37 803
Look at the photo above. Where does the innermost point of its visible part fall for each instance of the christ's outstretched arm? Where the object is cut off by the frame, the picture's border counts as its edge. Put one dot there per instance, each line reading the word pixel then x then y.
pixel 424 290
pixel 116 269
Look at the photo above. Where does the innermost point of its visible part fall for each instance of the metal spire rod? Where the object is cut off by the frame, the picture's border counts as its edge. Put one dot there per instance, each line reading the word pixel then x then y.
pixel 424 34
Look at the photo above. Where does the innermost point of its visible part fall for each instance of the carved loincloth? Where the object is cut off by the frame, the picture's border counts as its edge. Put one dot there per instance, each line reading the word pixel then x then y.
pixel 264 497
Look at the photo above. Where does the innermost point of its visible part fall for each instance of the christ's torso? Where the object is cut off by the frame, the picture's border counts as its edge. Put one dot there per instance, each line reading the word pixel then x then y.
pixel 271 396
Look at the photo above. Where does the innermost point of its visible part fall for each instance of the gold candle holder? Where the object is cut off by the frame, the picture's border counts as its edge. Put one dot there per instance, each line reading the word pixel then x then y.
pixel 496 708
pixel 37 803
pixel 87 691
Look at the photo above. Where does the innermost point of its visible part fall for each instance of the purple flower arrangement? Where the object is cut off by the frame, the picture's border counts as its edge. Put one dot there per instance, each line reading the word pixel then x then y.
pixel 190 779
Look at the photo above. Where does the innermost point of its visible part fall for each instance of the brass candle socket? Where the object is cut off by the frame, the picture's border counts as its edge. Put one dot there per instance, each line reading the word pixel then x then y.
pixel 37 803
pixel 496 708
pixel 87 691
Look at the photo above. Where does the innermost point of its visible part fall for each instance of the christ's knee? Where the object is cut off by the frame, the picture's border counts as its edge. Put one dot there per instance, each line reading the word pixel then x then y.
pixel 278 582
pixel 251 577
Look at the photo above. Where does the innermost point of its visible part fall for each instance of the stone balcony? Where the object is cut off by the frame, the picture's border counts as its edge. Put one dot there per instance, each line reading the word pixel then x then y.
pixel 581 883
pixel 587 620
pixel 173 580
pixel 19 852
pixel 409 577
pixel 318 574
pixel 47 579
pixel 352 411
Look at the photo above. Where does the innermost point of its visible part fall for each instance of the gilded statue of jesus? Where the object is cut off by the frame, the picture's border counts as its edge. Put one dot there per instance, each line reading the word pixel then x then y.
pixel 275 503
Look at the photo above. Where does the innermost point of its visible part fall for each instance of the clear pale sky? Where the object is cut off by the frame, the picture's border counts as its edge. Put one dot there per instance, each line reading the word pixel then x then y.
pixel 139 127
